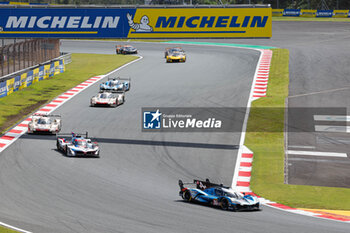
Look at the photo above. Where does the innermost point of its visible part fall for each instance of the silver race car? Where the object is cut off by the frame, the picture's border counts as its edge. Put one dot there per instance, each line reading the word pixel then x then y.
pixel 106 98
pixel 42 123
pixel 77 145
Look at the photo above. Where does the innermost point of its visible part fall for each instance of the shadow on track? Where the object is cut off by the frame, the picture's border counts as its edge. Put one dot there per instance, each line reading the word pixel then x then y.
pixel 143 142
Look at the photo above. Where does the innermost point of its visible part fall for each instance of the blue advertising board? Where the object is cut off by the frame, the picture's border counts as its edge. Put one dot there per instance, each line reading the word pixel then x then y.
pixel 291 12
pixel 61 66
pixel 51 22
pixel 52 70
pixel 3 89
pixel 324 13
pixel 29 78
pixel 41 73
pixel 17 83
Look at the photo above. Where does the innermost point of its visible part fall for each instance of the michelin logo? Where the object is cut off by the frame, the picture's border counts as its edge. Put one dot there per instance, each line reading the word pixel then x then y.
pixel 152 120
pixel 142 26
pixel 62 22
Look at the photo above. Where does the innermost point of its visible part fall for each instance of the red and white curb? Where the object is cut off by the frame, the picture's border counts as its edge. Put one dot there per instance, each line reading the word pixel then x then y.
pixel 262 75
pixel 244 162
pixel 244 171
pixel 243 186
pixel 12 135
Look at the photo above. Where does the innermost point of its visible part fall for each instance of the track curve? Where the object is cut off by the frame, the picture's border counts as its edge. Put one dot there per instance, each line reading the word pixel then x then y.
pixel 133 187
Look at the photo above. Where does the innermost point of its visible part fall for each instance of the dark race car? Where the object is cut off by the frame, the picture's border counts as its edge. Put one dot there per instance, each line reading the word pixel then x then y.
pixel 218 195
pixel 125 49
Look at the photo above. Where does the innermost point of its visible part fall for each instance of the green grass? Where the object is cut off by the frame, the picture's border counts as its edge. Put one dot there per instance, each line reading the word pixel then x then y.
pixel 84 66
pixel 268 147
pixel 7 230
pixel 320 19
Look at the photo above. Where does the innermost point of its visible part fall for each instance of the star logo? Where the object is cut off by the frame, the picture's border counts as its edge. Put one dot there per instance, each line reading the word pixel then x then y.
pixel 156 115
pixel 152 120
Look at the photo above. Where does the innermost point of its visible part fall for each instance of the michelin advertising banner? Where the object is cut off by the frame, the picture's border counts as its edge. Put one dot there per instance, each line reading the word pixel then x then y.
pixel 136 23
pixel 311 13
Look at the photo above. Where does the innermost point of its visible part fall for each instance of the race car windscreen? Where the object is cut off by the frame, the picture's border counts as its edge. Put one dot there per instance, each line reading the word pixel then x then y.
pixel 43 121
pixel 103 96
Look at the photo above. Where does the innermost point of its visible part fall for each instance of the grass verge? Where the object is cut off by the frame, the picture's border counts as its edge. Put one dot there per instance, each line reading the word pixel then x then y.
pixel 7 230
pixel 266 139
pixel 19 104
pixel 320 19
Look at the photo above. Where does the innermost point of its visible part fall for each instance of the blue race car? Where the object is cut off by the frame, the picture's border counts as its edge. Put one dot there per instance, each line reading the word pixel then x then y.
pixel 116 84
pixel 218 195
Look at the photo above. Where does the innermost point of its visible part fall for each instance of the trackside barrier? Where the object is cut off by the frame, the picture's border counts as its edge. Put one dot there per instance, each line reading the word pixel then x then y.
pixel 30 76
pixel 199 21
pixel 311 13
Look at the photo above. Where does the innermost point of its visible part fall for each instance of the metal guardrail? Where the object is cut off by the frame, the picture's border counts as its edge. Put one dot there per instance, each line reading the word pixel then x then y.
pixel 26 53
pixel 67 58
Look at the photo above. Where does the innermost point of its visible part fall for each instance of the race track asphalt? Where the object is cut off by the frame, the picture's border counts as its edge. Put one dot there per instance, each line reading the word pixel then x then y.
pixel 319 79
pixel 133 186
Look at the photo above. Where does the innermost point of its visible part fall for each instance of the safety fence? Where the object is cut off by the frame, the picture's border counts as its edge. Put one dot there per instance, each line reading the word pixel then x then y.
pixel 22 80
pixel 311 13
pixel 25 53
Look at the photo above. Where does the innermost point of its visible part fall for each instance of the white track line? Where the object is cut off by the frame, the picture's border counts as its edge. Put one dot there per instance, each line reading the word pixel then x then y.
pixel 316 153
pixel 331 118
pixel 332 128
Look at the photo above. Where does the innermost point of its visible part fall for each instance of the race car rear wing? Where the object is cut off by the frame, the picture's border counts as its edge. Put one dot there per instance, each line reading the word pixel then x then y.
pixel 46 115
pixel 62 135
pixel 201 184
pixel 112 91
pixel 122 45
pixel 121 79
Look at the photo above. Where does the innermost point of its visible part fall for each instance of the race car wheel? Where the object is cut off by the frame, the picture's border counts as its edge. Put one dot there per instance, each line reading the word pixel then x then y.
pixel 58 145
pixel 234 208
pixel 66 149
pixel 187 195
pixel 224 204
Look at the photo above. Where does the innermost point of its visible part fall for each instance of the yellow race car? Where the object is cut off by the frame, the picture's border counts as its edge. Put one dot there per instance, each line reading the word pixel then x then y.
pixel 176 57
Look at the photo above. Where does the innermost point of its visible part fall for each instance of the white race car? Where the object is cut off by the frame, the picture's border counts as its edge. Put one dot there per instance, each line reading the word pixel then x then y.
pixel 42 123
pixel 77 145
pixel 105 98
